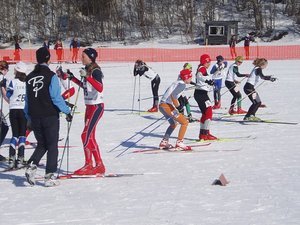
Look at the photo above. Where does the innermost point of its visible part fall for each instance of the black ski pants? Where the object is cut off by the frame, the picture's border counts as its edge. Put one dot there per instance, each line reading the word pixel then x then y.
pixel 46 132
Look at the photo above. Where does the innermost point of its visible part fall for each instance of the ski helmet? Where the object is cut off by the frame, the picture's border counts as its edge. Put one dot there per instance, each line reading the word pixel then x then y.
pixel 185 74
pixel 205 59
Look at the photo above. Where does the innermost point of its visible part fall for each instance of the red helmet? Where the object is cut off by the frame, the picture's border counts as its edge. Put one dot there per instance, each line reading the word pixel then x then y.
pixel 204 59
pixel 185 74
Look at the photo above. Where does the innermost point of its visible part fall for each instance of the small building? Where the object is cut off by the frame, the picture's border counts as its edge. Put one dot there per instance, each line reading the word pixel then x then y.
pixel 219 32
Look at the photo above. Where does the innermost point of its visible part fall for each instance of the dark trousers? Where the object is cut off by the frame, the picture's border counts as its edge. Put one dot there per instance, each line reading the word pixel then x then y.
pixel 18 126
pixel 155 86
pixel 46 132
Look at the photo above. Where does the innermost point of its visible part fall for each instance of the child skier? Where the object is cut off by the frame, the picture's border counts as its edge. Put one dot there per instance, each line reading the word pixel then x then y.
pixel 232 84
pixel 16 95
pixel 141 68
pixel 218 72
pixel 249 89
pixel 203 82
pixel 170 108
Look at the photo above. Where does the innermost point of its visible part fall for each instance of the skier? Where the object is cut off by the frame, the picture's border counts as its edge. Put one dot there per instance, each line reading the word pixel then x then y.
pixel 247 39
pixel 232 84
pixel 203 82
pixel 218 72
pixel 43 103
pixel 74 47
pixel 183 100
pixel 3 124
pixel 232 43
pixel 16 95
pixel 249 89
pixel 92 85
pixel 170 108
pixel 59 50
pixel 141 68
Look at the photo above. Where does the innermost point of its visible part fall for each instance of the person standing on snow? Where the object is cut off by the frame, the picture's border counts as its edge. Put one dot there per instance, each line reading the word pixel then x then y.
pixel 141 68
pixel 58 47
pixel 16 95
pixel 92 85
pixel 232 44
pixel 3 124
pixel 204 82
pixel 218 72
pixel 232 84
pixel 247 39
pixel 43 103
pixel 249 88
pixel 74 47
pixel 170 108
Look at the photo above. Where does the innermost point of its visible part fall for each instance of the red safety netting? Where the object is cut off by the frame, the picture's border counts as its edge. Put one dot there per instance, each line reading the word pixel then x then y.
pixel 160 54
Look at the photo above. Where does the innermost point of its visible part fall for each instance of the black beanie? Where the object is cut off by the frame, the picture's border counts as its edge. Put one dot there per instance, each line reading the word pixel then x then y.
pixel 91 53
pixel 42 55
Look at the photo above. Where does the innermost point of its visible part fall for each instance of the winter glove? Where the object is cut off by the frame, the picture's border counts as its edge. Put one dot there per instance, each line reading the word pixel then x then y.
pixel 193 83
pixel 82 72
pixel 69 104
pixel 180 109
pixel 272 79
pixel 3 83
pixel 210 82
pixel 29 125
pixel 70 74
pixel 69 117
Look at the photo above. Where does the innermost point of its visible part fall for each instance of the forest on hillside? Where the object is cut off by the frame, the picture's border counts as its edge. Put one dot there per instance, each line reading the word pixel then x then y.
pixel 130 20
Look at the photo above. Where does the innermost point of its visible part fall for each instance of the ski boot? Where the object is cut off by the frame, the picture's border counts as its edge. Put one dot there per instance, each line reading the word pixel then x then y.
pixel 181 146
pixel 164 144
pixel 153 109
pixel 30 173
pixel 85 170
pixel 12 162
pixel 241 111
pixel 50 180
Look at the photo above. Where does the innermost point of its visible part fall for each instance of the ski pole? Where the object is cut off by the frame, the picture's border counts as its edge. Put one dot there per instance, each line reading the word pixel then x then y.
pixel 139 95
pixel 126 149
pixel 232 87
pixel 135 134
pixel 248 94
pixel 133 96
pixel 68 130
pixel 142 99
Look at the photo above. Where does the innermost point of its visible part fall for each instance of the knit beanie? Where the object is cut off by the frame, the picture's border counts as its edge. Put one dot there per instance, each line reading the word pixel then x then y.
pixel 91 53
pixel 42 55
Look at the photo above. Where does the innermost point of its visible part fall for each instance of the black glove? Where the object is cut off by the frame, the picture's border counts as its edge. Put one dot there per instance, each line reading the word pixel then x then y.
pixel 3 83
pixel 29 125
pixel 69 117
pixel 193 83
pixel 210 82
pixel 272 79
pixel 70 74
pixel 180 109
pixel 69 104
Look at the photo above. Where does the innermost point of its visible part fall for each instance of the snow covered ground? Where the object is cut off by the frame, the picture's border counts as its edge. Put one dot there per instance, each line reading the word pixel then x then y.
pixel 175 188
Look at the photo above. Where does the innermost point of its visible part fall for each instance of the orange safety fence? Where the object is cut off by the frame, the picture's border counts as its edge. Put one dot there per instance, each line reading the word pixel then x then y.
pixel 159 54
